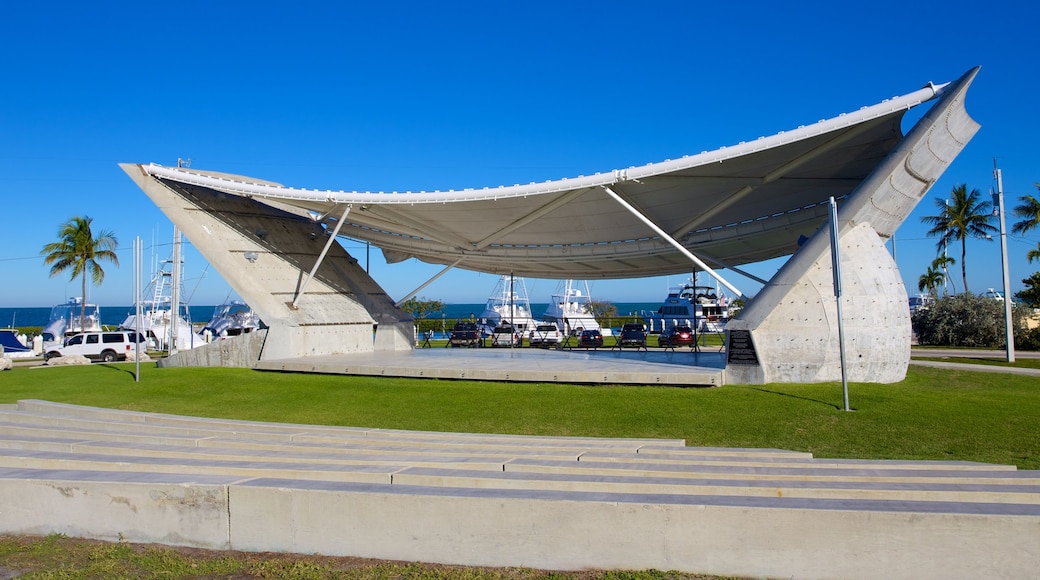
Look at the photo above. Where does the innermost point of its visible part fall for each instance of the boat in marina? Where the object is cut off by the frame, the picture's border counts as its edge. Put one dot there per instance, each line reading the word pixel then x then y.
pixel 15 345
pixel 69 319
pixel 508 302
pixel 231 318
pixel 571 309
pixel 704 308
pixel 160 322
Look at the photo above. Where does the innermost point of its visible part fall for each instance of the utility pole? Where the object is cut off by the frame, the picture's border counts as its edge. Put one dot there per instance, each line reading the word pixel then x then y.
pixel 998 208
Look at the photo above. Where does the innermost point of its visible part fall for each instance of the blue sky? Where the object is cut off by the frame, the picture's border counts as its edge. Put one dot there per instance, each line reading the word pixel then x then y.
pixel 412 96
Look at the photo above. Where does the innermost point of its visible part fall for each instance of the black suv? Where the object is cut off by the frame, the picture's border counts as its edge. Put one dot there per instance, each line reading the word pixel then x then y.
pixel 590 339
pixel 632 335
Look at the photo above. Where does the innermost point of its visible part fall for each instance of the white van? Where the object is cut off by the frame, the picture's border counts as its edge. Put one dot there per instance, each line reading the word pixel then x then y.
pixel 102 346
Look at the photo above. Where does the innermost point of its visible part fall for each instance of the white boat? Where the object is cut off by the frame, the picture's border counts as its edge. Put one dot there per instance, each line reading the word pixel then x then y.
pixel 571 310
pixel 704 308
pixel 69 319
pixel 160 322
pixel 14 344
pixel 231 318
pixel 507 303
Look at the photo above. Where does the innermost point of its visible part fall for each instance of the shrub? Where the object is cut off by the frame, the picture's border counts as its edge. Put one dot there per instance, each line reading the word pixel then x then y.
pixel 961 320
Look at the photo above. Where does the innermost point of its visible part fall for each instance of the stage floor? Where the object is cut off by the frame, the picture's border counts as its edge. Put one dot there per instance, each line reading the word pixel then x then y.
pixel 680 367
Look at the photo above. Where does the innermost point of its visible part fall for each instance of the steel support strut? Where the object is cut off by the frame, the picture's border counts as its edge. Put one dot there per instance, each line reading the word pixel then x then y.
pixel 321 257
pixel 700 263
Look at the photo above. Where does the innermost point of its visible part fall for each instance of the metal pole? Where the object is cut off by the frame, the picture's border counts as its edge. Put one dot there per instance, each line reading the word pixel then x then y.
pixel 175 292
pixel 664 236
pixel 137 309
pixel 321 258
pixel 836 262
pixel 1009 332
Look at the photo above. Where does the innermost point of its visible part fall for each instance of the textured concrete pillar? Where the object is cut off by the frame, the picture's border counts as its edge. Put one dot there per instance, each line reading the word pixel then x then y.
pixel 789 331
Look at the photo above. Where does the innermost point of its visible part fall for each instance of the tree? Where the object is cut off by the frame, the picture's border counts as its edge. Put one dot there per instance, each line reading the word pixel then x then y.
pixel 930 280
pixel 422 307
pixel 78 250
pixel 941 264
pixel 1030 295
pixel 1033 254
pixel 961 217
pixel 1028 212
pixel 602 309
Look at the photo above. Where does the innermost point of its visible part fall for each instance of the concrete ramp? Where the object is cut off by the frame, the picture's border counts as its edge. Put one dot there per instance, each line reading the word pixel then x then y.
pixel 506 500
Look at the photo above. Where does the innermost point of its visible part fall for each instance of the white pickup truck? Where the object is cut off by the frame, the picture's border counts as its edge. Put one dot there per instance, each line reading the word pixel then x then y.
pixel 545 336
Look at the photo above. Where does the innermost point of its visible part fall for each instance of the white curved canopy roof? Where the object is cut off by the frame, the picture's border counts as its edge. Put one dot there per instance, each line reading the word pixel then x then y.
pixel 732 206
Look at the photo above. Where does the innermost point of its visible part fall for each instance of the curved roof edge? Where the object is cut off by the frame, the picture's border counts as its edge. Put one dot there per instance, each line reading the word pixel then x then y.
pixel 227 183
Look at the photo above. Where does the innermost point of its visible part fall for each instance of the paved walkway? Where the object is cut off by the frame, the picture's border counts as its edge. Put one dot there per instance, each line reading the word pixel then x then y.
pixel 954 354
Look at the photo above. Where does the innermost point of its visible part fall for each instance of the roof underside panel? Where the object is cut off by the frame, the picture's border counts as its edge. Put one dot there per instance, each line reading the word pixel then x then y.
pixel 729 207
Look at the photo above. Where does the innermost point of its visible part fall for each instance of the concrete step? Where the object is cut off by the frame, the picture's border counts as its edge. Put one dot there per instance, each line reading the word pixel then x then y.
pixel 809 471
pixel 42 411
pixel 979 491
pixel 247 485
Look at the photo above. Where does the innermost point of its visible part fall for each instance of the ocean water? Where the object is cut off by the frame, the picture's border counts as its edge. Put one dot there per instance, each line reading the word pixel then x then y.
pixel 110 315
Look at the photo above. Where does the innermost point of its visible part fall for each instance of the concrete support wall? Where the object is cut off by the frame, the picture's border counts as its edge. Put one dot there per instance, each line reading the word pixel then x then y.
pixel 789 331
pixel 265 254
pixel 795 324
pixel 242 351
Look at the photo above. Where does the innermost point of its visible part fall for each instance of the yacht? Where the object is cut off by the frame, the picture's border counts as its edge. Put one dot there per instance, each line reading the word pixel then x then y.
pixel 160 321
pixel 571 310
pixel 69 319
pixel 231 318
pixel 704 308
pixel 508 303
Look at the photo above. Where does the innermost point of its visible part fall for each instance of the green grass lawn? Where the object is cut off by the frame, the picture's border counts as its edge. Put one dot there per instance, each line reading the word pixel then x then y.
pixel 933 414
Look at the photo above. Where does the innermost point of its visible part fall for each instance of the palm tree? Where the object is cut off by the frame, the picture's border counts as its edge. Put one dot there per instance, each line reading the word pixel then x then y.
pixel 942 264
pixel 930 280
pixel 963 216
pixel 1029 212
pixel 1034 254
pixel 77 249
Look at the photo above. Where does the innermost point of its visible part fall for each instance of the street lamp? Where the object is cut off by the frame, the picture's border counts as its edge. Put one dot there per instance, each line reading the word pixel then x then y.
pixel 998 210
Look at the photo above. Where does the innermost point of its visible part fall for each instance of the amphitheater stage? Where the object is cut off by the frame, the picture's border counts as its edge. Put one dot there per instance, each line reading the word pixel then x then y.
pixel 678 367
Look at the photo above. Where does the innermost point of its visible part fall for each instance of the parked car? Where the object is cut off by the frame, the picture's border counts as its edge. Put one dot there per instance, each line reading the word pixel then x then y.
pixel 102 346
pixel 464 334
pixel 632 335
pixel 677 336
pixel 545 335
pixel 506 335
pixel 590 339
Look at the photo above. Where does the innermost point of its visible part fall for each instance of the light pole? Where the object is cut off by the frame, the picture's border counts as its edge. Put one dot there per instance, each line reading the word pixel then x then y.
pixel 998 208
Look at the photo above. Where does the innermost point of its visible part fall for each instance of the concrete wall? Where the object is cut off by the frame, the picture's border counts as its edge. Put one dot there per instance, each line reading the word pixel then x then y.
pixel 242 351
